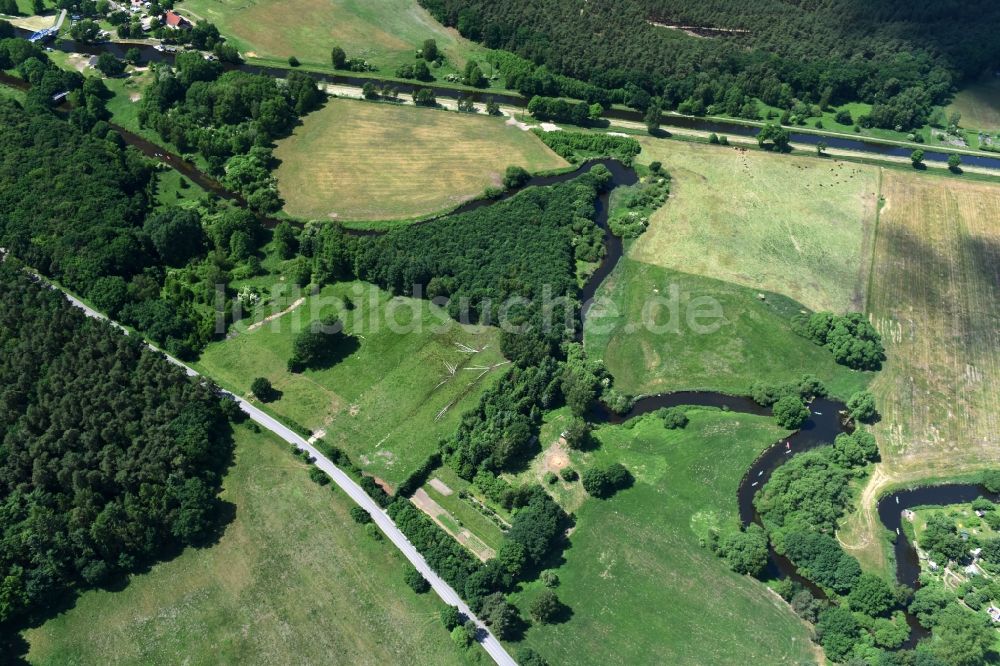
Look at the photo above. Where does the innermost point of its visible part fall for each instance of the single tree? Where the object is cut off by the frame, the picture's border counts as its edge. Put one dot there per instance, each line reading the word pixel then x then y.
pixel 790 412
pixel 546 607
pixel 820 147
pixel 861 405
pixel 917 158
pixel 262 388
pixel 109 65
pixel 653 116
pixel 954 160
pixel 338 57
pixel 430 50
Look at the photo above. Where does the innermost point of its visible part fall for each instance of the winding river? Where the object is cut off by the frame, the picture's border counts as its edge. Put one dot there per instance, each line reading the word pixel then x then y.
pixel 826 419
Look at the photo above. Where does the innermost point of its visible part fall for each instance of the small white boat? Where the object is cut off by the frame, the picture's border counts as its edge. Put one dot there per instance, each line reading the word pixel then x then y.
pixel 753 484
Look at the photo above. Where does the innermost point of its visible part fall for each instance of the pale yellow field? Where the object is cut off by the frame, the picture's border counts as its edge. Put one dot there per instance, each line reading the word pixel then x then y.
pixel 384 32
pixel 793 225
pixel 355 160
pixel 936 300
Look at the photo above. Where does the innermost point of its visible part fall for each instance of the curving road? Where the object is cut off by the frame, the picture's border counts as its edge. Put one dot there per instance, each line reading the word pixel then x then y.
pixel 354 491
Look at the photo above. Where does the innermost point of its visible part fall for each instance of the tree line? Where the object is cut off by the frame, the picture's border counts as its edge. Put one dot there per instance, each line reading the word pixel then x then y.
pixel 901 60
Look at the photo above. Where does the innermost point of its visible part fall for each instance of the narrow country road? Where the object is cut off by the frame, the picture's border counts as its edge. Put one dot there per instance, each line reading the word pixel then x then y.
pixel 354 491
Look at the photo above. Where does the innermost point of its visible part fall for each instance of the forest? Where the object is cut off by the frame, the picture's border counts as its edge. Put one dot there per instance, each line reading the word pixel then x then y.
pixel 900 57
pixel 110 456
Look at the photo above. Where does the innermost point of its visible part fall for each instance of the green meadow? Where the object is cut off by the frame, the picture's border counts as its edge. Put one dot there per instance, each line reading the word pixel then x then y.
pixel 407 373
pixel 641 587
pixel 293 580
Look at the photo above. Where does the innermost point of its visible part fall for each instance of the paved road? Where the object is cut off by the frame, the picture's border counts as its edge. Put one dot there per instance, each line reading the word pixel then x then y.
pixel 356 493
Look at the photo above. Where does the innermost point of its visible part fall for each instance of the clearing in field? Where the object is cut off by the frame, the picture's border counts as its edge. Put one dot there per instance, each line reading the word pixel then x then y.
pixel 801 227
pixel 979 104
pixel 660 330
pixel 357 160
pixel 387 33
pixel 641 587
pixel 403 385
pixel 936 300
pixel 292 580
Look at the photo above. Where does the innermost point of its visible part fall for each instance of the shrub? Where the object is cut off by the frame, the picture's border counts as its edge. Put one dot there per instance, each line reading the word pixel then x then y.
pixel 318 476
pixel 451 617
pixel 416 580
pixel 293 61
pixel 360 516
pixel 569 474
pixel 550 478
pixel 515 177
pixel 674 418
pixel 550 578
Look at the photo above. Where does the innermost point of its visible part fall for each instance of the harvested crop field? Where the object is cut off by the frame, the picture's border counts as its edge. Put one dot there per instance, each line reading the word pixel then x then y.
pixel 357 160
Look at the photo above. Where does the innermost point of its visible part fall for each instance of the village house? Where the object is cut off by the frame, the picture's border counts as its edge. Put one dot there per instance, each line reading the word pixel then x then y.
pixel 176 21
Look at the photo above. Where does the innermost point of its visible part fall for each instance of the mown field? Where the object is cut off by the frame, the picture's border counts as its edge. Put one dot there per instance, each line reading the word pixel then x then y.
pixel 356 160
pixel 936 300
pixel 391 398
pixel 979 104
pixel 641 587
pixel 293 580
pixel 793 225
pixel 387 33
pixel 653 342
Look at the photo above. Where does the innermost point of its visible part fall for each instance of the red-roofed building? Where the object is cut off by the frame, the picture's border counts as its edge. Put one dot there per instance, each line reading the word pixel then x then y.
pixel 174 20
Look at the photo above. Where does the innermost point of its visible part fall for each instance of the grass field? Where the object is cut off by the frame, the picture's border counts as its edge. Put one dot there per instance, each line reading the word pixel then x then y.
pixel 292 581
pixel 979 104
pixel 641 587
pixel 936 300
pixel 363 161
pixel 751 341
pixel 387 33
pixel 796 226
pixel 389 401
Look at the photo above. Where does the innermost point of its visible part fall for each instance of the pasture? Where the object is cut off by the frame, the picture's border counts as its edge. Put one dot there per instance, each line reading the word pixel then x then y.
pixel 936 300
pixel 354 160
pixel 797 226
pixel 660 330
pixel 641 587
pixel 292 580
pixel 388 401
pixel 387 33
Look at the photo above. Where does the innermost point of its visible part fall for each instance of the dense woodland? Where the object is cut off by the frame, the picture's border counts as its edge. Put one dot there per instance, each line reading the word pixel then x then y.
pixel 109 455
pixel 900 56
